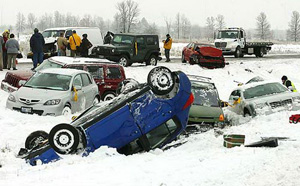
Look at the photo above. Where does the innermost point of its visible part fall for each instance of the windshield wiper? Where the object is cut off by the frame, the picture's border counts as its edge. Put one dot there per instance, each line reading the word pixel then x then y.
pixel 45 88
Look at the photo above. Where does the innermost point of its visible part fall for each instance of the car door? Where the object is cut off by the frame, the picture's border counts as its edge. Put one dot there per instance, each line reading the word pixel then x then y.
pixel 97 72
pixel 140 49
pixel 88 89
pixel 189 51
pixel 79 104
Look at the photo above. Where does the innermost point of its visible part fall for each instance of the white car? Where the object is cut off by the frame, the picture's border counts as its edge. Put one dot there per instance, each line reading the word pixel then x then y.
pixel 262 97
pixel 55 92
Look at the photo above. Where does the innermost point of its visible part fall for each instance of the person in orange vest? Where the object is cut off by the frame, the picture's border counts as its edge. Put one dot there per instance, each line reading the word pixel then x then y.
pixel 167 47
pixel 75 42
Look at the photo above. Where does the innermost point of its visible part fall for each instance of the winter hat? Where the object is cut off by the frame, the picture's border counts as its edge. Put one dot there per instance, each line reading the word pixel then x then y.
pixel 284 78
pixel 168 35
pixel 36 30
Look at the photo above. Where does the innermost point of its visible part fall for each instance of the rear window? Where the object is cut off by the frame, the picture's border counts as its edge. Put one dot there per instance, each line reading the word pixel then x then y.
pixel 113 73
pixel 95 71
pixel 76 67
pixel 151 41
pixel 86 80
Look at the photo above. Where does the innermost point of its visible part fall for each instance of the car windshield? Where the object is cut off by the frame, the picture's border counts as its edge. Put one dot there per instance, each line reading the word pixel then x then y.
pixel 227 34
pixel 265 89
pixel 49 81
pixel 205 96
pixel 48 64
pixel 123 39
pixel 52 33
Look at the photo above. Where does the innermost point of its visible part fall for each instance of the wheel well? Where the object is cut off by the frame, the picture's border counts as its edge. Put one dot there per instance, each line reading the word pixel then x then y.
pixel 68 104
pixel 150 54
pixel 246 111
pixel 125 54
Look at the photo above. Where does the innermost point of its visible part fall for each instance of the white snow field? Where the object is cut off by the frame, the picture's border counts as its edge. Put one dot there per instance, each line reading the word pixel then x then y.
pixel 202 161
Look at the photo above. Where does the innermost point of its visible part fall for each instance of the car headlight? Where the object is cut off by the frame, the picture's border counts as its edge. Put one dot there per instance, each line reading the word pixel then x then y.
pixel 11 98
pixel 296 99
pixel 113 50
pixel 261 105
pixel 52 102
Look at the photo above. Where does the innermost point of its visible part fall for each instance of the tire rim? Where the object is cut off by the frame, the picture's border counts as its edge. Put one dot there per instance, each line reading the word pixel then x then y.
pixel 63 139
pixel 153 61
pixel 123 61
pixel 162 79
pixel 109 97
pixel 66 111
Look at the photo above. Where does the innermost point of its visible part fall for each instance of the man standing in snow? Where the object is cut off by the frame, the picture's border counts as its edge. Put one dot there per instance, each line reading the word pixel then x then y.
pixel 290 85
pixel 75 42
pixel 12 46
pixel 167 47
pixel 37 44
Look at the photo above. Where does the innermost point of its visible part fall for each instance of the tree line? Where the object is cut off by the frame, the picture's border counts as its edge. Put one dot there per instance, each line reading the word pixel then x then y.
pixel 127 20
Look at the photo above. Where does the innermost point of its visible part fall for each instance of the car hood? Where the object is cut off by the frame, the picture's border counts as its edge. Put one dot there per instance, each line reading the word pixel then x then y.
pixel 107 46
pixel 38 94
pixel 21 75
pixel 273 98
pixel 210 51
pixel 198 111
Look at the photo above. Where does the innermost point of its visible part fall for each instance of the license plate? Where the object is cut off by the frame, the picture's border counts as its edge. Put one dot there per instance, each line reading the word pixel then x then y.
pixel 26 109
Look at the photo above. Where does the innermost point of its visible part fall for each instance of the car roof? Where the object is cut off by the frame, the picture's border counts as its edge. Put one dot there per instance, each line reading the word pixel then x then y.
pixel 63 71
pixel 254 84
pixel 129 34
pixel 80 60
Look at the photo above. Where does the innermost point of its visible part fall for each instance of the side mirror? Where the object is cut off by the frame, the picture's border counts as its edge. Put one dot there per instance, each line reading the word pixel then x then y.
pixel 224 104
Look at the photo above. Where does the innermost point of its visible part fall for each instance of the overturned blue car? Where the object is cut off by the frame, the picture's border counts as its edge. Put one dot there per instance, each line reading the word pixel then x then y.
pixel 141 118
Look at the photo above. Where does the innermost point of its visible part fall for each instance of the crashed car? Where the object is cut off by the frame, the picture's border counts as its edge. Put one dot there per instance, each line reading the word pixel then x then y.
pixel 294 118
pixel 147 117
pixel 262 97
pixel 203 54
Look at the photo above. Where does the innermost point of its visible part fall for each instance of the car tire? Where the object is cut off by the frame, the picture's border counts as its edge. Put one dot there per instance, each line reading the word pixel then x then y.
pixel 260 53
pixel 35 138
pixel 108 95
pixel 192 61
pixel 64 138
pixel 161 80
pixel 66 111
pixel 152 60
pixel 247 113
pixel 182 58
pixel 124 61
pixel 238 52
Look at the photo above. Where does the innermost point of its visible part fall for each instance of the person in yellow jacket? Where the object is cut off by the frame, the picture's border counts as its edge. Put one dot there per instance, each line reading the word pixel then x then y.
pixel 290 85
pixel 75 42
pixel 167 47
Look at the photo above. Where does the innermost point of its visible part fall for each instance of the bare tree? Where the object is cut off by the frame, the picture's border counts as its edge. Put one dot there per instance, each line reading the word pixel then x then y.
pixel 86 20
pixel 168 24
pixel 177 25
pixel 123 14
pixel 185 27
pixel 133 13
pixel 31 20
pixel 59 19
pixel 152 29
pixel 117 23
pixel 263 27
pixel 210 25
pixel 21 22
pixel 220 22
pixel 293 32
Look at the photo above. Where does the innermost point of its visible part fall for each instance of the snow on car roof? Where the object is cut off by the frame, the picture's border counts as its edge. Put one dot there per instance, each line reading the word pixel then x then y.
pixel 254 84
pixel 200 78
pixel 79 60
pixel 64 71
pixel 68 28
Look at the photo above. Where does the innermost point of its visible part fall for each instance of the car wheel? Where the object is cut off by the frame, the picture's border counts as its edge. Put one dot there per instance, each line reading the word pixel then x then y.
pixel 35 138
pixel 247 113
pixel 108 95
pixel 152 60
pixel 64 138
pixel 66 111
pixel 260 53
pixel 124 61
pixel 192 61
pixel 161 80
pixel 96 101
pixel 182 58
pixel 238 52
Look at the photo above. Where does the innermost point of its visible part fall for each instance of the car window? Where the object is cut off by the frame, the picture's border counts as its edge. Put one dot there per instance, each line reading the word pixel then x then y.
pixel 205 97
pixel 123 39
pixel 234 94
pixel 189 45
pixel 151 41
pixel 86 81
pixel 113 73
pixel 140 41
pixel 96 71
pixel 131 148
pixel 76 67
pixel 48 64
pixel 158 135
pixel 77 80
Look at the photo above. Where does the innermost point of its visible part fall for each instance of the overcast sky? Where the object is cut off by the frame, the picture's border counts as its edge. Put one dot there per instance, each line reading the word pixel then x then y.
pixel 238 13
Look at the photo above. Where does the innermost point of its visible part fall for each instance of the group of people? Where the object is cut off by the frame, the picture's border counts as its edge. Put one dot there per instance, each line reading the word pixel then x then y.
pixel 9 51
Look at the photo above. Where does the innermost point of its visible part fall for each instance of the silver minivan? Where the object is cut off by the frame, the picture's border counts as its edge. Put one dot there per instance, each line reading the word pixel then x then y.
pixel 55 92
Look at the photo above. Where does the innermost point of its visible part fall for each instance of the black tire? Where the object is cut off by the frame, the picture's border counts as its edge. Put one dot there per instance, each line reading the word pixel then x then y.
pixel 238 52
pixel 260 52
pixel 182 58
pixel 161 80
pixel 64 138
pixel 152 60
pixel 192 61
pixel 35 138
pixel 108 95
pixel 124 61
pixel 247 113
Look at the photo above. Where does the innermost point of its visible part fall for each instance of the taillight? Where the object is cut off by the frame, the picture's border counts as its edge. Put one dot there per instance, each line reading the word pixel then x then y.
pixel 221 117
pixel 189 102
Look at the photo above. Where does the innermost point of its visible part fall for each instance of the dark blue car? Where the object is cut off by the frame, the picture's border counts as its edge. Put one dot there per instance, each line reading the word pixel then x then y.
pixel 148 116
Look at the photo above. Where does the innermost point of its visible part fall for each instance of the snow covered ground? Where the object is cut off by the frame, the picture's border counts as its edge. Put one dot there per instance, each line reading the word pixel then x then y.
pixel 201 161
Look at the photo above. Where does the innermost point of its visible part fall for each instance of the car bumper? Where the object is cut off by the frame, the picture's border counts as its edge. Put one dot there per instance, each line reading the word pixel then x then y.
pixel 40 109
pixel 269 110
pixel 7 87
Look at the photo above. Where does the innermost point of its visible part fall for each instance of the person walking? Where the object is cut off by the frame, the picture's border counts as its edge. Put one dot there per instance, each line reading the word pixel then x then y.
pixel 13 47
pixel 85 46
pixel 62 43
pixel 4 54
pixel 290 85
pixel 75 42
pixel 1 53
pixel 37 43
pixel 167 47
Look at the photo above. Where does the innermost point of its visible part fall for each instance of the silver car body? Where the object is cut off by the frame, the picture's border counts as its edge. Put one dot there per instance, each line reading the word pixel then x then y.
pixel 260 103
pixel 32 100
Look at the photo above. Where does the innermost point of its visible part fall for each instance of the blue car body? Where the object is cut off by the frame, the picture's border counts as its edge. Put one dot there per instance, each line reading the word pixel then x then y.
pixel 139 121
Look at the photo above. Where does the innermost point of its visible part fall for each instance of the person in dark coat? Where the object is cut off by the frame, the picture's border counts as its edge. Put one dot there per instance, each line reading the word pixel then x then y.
pixel 85 46
pixel 108 37
pixel 37 44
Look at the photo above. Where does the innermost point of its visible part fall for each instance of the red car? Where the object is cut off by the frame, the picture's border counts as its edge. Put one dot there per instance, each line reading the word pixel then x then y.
pixel 106 74
pixel 294 118
pixel 203 54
